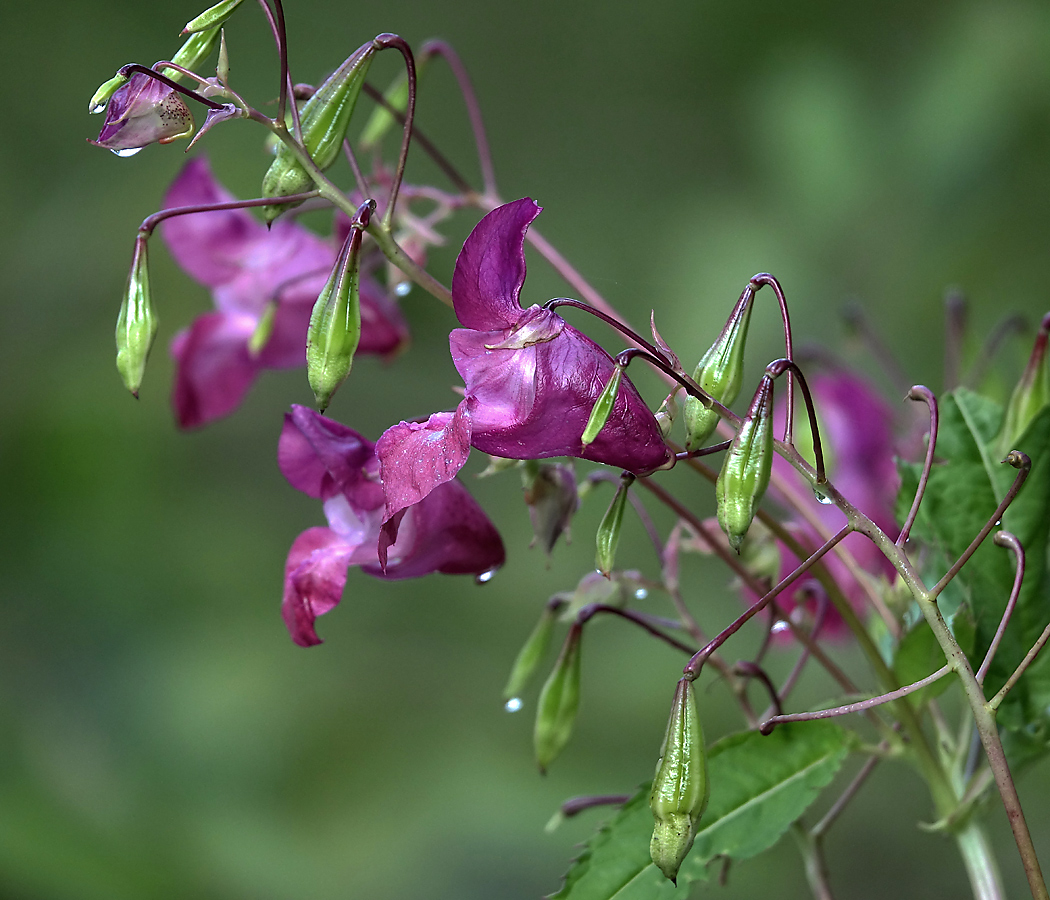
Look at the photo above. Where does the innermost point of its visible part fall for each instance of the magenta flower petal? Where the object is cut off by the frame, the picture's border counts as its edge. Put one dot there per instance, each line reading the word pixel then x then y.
pixel 490 269
pixel 213 368
pixel 533 402
pixel 314 578
pixel 415 457
pixel 322 458
pixel 447 532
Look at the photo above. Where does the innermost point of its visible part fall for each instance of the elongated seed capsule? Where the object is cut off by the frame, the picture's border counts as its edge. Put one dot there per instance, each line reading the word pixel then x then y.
pixel 680 786
pixel 720 373
pixel 212 17
pixel 559 699
pixel 196 48
pixel 335 323
pixel 136 323
pixel 747 466
pixel 324 120
pixel 608 535
pixel 603 407
pixel 531 653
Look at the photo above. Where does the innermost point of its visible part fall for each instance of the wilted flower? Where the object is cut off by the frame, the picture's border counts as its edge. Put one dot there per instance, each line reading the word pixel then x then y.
pixel 264 284
pixel 531 379
pixel 446 532
pixel 143 111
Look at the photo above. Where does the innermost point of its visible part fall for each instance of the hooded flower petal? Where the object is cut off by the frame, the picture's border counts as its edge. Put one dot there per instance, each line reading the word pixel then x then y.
pixel 491 268
pixel 314 578
pixel 144 111
pixel 213 368
pixel 445 532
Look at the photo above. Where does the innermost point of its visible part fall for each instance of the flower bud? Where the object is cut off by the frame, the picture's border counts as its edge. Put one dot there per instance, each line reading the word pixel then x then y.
pixel 747 467
pixel 720 373
pixel 668 411
pixel 263 330
pixel 197 48
pixel 212 17
pixel 559 699
pixel 680 786
pixel 140 112
pixel 608 536
pixel 136 324
pixel 1031 394
pixel 532 652
pixel 603 407
pixel 105 90
pixel 550 493
pixel 335 323
pixel 324 120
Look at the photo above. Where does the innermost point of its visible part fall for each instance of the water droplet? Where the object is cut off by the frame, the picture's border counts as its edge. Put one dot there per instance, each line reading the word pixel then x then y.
pixel 513 704
pixel 127 151
pixel 821 497
pixel 403 288
pixel 484 576
pixel 998 522
pixel 641 593
pixel 97 108
pixel 779 626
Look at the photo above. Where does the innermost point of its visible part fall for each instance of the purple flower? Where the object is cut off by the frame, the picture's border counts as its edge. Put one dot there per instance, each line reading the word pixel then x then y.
pixel 446 532
pixel 248 267
pixel 531 379
pixel 143 111
pixel 857 433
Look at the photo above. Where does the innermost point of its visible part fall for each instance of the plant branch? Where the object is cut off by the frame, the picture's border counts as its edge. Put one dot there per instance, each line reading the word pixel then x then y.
pixel 1005 539
pixel 921 392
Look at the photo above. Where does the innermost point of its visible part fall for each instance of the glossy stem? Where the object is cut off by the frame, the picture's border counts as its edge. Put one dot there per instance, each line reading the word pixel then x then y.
pixel 921 392
pixel 132 68
pixel 764 278
pixel 592 609
pixel 1005 539
pixel 1029 658
pixel 393 41
pixel 776 369
pixel 151 222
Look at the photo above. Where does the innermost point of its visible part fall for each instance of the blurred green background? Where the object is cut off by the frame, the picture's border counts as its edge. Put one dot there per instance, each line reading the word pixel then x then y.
pixel 160 736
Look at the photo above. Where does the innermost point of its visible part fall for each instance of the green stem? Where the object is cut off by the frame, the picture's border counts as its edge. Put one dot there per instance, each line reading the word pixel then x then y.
pixel 980 862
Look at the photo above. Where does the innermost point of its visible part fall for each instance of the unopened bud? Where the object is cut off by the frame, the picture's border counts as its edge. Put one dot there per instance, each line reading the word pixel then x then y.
pixel 194 51
pixel 335 323
pixel 532 652
pixel 747 466
pixel 1031 394
pixel 324 120
pixel 720 373
pixel 603 407
pixel 550 493
pixel 212 17
pixel 222 65
pixel 680 786
pixel 136 324
pixel 559 700
pixel 608 536
pixel 263 330
pixel 668 411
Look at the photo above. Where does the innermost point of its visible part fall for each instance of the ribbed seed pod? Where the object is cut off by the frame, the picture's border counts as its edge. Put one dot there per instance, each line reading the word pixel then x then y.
pixel 680 786
pixel 608 535
pixel 720 373
pixel 747 466
pixel 136 324
pixel 603 407
pixel 559 699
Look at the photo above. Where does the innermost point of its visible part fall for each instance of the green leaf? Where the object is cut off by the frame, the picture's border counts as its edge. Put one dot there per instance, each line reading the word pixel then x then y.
pixel 759 786
pixel 963 492
pixel 920 655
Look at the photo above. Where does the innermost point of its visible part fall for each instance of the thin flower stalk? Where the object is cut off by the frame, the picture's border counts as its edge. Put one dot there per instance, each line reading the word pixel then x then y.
pixel 923 393
pixel 1005 539
pixel 593 609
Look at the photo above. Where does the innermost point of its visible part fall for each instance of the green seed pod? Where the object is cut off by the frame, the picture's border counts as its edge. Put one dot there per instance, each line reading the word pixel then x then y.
pixel 559 699
pixel 380 122
pixel 608 536
pixel 531 653
pixel 213 17
pixel 603 407
pixel 197 48
pixel 324 119
pixel 747 467
pixel 335 323
pixel 105 90
pixel 720 373
pixel 136 324
pixel 1031 394
pixel 680 785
